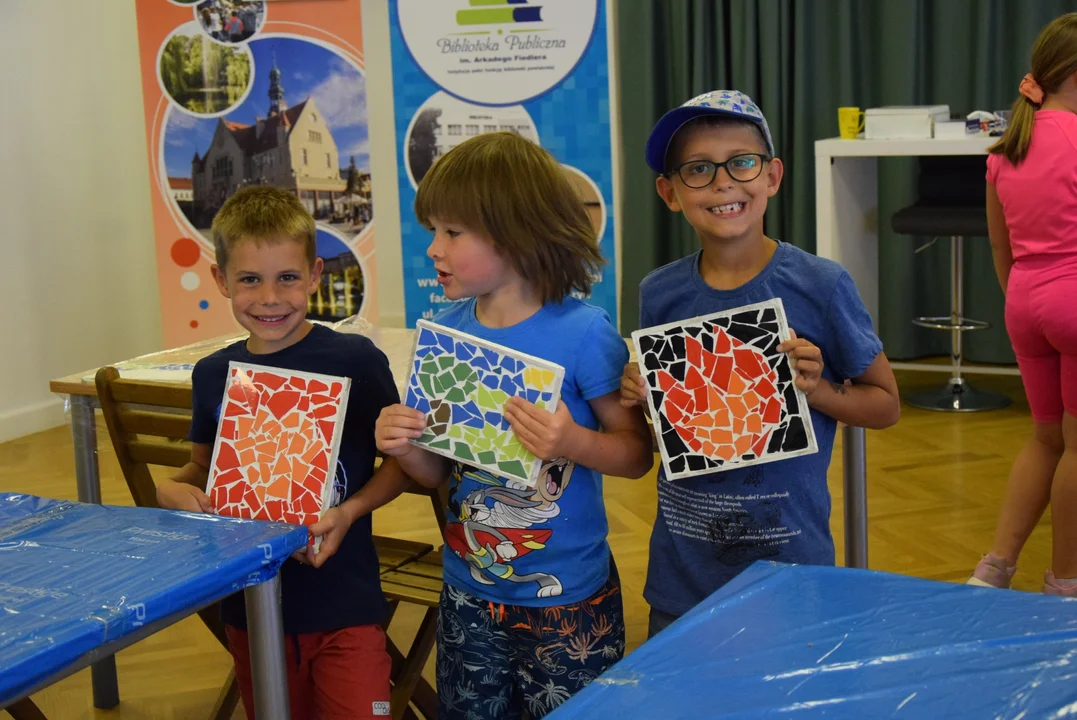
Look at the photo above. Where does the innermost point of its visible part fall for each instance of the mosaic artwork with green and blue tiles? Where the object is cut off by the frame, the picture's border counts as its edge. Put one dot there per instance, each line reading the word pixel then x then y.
pixel 462 384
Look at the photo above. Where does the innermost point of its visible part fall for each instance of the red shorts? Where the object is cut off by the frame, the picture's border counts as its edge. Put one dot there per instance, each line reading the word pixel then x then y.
pixel 337 675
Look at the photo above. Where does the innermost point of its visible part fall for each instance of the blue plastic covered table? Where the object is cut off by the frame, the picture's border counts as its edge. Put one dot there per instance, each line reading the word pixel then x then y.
pixel 81 581
pixel 791 641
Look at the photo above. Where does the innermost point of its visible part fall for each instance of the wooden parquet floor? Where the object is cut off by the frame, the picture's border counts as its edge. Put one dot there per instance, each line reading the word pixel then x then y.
pixel 934 485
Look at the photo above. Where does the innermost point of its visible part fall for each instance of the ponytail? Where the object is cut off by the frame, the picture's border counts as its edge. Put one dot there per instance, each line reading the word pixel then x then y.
pixel 1018 136
pixel 1054 58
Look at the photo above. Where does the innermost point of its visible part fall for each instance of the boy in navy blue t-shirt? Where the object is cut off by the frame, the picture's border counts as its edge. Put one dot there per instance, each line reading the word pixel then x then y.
pixel 715 160
pixel 332 602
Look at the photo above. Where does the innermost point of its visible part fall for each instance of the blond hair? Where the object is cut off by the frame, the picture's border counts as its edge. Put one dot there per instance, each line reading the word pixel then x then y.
pixel 516 194
pixel 263 213
pixel 1054 58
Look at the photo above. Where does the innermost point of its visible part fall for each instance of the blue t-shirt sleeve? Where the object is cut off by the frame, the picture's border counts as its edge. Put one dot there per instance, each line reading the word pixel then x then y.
pixel 854 344
pixel 602 358
pixel 646 318
pixel 203 407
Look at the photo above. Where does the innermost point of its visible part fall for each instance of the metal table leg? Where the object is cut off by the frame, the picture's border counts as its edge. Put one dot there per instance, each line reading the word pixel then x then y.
pixel 855 473
pixel 266 637
pixel 84 434
pixel 106 689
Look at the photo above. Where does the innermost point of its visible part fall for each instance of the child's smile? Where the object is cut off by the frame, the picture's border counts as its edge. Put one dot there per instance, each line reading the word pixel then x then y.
pixel 729 210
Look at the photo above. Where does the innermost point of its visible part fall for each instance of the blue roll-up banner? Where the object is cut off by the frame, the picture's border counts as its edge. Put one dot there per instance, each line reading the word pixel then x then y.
pixel 537 67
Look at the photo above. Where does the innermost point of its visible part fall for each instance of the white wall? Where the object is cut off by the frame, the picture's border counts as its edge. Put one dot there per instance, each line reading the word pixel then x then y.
pixel 79 282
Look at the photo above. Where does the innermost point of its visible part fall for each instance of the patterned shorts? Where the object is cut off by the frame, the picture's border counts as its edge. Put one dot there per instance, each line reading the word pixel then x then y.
pixel 497 662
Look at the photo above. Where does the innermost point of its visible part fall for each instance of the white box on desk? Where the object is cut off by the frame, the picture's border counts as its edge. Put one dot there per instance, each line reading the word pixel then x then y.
pixel 954 130
pixel 896 122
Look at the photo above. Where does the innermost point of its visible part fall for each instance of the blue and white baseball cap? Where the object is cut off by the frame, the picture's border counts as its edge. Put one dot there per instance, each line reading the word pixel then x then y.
pixel 730 103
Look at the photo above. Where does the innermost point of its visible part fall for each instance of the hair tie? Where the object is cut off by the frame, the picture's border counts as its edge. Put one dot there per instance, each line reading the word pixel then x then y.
pixel 1031 89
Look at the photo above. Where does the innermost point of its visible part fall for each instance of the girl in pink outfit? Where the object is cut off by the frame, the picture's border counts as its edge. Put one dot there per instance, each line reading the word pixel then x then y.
pixel 1032 221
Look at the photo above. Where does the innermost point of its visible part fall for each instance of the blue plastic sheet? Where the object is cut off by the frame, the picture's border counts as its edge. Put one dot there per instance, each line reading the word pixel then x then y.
pixel 74 576
pixel 792 641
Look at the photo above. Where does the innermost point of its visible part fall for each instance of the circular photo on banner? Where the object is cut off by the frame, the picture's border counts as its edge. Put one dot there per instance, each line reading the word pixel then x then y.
pixel 497 53
pixel 230 21
pixel 443 122
pixel 591 196
pixel 302 128
pixel 342 290
pixel 201 76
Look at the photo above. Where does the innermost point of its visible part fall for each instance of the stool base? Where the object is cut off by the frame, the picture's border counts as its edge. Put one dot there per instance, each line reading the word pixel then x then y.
pixel 957 396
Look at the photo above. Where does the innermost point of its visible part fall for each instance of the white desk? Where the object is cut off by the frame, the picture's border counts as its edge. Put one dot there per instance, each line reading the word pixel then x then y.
pixel 847 210
pixel 847 200
pixel 847 231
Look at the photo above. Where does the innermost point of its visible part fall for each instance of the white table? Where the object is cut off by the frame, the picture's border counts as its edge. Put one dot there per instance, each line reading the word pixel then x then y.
pixel 847 212
pixel 847 231
pixel 847 200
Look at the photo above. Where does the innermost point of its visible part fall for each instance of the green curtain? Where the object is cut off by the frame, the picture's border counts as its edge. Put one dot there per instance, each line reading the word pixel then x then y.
pixel 800 60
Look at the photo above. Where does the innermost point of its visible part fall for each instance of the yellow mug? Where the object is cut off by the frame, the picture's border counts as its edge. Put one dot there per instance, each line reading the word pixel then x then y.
pixel 850 122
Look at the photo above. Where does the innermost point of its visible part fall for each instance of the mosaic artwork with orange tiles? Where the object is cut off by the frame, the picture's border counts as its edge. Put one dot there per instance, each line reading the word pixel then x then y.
pixel 277 441
pixel 720 393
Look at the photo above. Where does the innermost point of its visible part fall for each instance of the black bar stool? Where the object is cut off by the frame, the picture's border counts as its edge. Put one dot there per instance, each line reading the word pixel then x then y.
pixel 951 204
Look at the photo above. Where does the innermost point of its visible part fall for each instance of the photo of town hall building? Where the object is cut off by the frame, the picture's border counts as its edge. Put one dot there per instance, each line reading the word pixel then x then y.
pixel 292 148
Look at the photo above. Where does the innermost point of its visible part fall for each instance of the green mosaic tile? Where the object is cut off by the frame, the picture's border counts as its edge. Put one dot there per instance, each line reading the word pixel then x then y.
pixel 513 468
pixel 461 451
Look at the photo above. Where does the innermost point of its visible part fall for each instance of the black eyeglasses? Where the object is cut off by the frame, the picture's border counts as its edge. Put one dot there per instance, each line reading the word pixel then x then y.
pixel 701 173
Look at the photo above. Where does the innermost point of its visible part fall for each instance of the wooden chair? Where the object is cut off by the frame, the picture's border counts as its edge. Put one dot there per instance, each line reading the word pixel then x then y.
pixel 148 424
pixel 24 709
pixel 419 582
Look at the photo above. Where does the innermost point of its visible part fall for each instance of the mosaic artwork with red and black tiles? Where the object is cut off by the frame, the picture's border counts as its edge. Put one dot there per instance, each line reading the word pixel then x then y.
pixel 720 394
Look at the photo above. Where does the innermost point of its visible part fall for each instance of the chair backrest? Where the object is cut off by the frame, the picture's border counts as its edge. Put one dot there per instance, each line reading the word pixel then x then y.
pixel 953 181
pixel 148 424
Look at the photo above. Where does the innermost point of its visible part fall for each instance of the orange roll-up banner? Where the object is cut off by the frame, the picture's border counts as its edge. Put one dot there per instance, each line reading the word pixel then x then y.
pixel 240 93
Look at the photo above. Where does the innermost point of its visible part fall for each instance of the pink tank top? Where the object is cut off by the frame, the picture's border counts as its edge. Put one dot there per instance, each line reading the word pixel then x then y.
pixel 1039 196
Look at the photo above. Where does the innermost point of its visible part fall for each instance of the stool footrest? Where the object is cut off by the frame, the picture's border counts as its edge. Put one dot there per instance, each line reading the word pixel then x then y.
pixel 946 322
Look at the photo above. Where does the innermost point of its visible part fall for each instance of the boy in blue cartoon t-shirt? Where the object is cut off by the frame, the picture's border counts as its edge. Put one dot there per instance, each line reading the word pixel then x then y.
pixel 531 610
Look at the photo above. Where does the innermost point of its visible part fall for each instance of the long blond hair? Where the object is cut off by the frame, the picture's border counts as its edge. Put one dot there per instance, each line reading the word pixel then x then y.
pixel 1054 58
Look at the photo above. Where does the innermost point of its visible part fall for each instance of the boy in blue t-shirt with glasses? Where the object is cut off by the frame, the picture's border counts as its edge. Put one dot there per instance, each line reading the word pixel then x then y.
pixel 716 164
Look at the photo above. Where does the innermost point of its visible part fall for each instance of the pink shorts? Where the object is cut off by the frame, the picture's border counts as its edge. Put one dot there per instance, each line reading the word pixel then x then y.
pixel 1041 318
